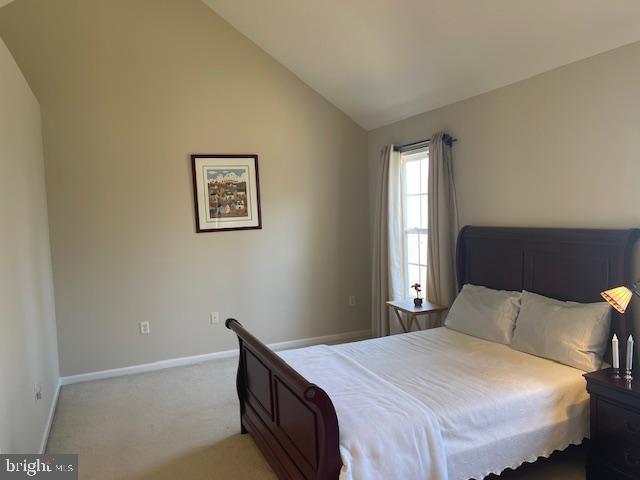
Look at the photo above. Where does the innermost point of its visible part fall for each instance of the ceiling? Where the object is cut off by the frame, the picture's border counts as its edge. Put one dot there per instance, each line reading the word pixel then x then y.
pixel 384 60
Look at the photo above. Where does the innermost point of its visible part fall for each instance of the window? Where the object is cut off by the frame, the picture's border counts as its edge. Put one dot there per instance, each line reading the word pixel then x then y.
pixel 415 171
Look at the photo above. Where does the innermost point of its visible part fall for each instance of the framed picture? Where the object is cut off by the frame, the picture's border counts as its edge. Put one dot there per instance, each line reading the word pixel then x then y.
pixel 226 191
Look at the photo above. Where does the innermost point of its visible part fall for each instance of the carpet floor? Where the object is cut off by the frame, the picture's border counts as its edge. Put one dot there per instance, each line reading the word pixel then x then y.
pixel 182 423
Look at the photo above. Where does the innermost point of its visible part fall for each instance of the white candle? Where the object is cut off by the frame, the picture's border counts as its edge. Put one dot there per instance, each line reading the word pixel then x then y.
pixel 615 351
pixel 629 352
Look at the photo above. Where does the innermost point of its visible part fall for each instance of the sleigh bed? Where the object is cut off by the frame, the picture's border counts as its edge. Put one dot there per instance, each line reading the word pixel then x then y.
pixel 294 422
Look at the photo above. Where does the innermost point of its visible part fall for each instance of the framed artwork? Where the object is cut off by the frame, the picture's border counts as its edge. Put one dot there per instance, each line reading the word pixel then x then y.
pixel 226 191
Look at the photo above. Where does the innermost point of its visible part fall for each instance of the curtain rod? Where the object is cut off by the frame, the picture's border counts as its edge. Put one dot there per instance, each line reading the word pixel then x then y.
pixel 407 147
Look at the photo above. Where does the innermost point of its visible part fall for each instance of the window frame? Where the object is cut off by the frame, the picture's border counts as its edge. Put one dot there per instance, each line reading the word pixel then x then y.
pixel 421 155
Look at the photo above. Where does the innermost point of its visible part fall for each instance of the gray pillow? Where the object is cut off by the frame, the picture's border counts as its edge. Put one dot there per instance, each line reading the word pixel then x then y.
pixel 572 333
pixel 484 313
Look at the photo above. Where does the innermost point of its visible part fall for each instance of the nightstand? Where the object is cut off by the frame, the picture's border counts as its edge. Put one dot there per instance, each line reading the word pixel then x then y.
pixel 413 312
pixel 614 450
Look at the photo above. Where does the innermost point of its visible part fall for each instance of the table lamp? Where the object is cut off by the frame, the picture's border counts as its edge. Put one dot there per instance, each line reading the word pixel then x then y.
pixel 619 298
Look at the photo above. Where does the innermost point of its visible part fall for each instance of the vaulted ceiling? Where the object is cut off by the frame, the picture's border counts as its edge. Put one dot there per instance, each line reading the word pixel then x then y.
pixel 384 60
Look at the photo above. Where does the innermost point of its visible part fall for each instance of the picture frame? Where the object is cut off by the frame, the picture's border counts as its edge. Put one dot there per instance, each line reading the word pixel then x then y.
pixel 226 192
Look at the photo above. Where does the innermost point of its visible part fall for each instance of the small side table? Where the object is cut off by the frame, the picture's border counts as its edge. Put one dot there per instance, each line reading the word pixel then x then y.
pixel 614 451
pixel 413 312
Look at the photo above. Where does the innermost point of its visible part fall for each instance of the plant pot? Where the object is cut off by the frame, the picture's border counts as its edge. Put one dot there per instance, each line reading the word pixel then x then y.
pixel 417 302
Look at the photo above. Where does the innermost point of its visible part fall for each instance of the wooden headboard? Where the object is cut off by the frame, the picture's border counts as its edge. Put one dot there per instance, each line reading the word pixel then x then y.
pixel 566 264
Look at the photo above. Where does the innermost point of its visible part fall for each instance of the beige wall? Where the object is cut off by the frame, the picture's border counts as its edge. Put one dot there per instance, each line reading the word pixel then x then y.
pixel 130 88
pixel 28 349
pixel 561 149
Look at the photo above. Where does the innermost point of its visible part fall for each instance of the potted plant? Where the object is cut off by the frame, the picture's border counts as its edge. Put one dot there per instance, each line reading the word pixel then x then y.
pixel 417 301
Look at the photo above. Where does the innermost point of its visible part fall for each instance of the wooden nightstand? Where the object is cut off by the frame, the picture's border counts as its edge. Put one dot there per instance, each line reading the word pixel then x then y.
pixel 614 451
pixel 413 312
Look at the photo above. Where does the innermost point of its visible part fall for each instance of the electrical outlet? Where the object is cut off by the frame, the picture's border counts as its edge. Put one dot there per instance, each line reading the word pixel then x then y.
pixel 144 328
pixel 352 300
pixel 37 389
pixel 214 317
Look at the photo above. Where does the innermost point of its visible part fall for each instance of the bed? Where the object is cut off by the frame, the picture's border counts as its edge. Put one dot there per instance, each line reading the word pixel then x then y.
pixel 452 404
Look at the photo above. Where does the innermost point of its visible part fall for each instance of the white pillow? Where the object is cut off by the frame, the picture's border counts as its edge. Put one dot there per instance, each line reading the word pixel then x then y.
pixel 484 313
pixel 571 333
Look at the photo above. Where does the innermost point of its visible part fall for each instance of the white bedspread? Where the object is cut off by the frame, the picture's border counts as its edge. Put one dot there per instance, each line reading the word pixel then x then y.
pixel 384 432
pixel 494 407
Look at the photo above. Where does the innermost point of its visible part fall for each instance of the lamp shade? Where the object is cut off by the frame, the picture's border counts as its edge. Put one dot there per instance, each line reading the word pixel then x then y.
pixel 618 298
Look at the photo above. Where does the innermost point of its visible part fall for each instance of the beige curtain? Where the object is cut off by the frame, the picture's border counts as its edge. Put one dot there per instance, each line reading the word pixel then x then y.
pixel 388 250
pixel 443 223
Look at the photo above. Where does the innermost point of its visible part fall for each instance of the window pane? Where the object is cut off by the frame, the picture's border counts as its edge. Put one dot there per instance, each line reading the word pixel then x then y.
pixel 412 175
pixel 414 276
pixel 423 279
pixel 413 212
pixel 423 250
pixel 424 200
pixel 424 175
pixel 413 242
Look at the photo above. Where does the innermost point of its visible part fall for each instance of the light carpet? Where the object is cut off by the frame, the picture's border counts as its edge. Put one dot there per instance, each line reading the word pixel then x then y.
pixel 183 423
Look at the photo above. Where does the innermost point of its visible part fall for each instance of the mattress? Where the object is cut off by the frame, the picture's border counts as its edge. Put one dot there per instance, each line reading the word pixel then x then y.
pixel 496 407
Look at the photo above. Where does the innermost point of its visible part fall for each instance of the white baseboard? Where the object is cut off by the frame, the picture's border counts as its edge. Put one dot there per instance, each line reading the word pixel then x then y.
pixel 52 412
pixel 178 362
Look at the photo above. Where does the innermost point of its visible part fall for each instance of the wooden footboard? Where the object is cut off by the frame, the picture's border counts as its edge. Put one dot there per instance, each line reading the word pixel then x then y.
pixel 292 420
